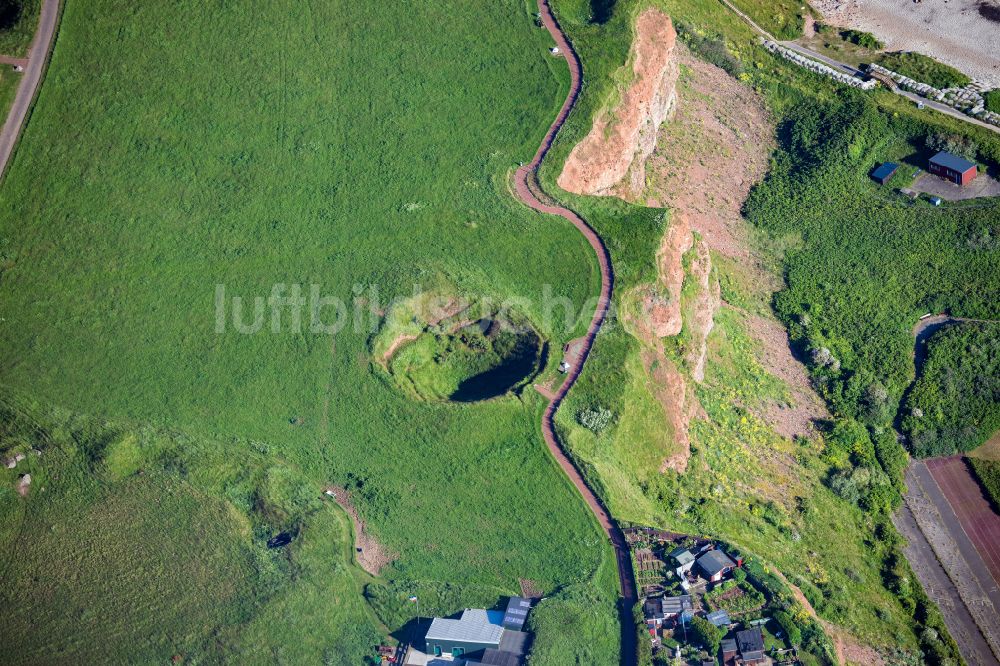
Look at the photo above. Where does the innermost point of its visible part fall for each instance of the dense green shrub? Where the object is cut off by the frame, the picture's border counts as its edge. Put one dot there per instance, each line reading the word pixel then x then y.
pixel 863 39
pixel 790 627
pixel 710 47
pixel 706 634
pixel 992 99
pixel 955 403
pixel 953 143
pixel 863 264
pixel 988 473
pixel 924 69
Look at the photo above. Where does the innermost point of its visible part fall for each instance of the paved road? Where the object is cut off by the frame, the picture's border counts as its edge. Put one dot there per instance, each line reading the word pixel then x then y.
pixel 932 576
pixel 973 585
pixel 844 67
pixel 530 192
pixel 975 515
pixel 30 80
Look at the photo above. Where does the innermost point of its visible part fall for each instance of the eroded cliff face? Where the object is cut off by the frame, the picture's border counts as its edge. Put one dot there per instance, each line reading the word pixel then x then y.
pixel 611 159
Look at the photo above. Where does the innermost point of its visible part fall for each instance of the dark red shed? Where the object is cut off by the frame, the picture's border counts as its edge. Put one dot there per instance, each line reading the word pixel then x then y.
pixel 952 167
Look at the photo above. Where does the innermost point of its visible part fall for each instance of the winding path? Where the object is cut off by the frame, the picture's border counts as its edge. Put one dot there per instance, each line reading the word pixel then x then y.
pixel 34 68
pixel 529 191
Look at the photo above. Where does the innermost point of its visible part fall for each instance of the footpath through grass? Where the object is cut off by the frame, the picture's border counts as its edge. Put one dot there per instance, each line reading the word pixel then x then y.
pixel 362 148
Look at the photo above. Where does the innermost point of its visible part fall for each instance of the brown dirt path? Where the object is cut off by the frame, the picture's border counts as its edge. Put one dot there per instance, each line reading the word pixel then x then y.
pixel 368 552
pixel 32 77
pixel 525 182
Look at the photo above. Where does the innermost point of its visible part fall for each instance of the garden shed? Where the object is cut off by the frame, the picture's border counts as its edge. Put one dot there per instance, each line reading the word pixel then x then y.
pixel 952 167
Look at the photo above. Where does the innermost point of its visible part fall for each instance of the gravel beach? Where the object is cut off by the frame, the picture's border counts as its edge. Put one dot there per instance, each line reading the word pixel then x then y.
pixel 962 33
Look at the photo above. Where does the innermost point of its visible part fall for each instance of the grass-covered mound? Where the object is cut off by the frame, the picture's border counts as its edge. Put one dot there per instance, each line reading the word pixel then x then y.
pixel 923 68
pixel 478 361
pixel 139 545
pixel 954 405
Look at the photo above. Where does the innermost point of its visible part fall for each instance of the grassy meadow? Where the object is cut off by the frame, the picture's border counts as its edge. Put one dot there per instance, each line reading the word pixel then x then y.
pixel 137 545
pixel 362 148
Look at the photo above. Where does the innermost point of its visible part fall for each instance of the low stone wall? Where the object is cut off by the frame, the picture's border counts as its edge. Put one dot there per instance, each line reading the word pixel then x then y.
pixel 818 67
pixel 967 99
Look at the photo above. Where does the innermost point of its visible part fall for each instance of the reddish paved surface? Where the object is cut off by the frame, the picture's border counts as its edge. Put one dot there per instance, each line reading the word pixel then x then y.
pixel 974 513
pixel 11 60
pixel 529 191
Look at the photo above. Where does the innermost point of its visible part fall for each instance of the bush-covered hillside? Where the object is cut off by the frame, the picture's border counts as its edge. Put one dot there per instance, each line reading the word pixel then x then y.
pixel 867 262
pixel 954 406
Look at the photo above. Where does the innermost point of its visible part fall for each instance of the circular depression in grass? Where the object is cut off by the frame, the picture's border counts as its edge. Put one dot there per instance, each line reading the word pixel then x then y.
pixel 469 362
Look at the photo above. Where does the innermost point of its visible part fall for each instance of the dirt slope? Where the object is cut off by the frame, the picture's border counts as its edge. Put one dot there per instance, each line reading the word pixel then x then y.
pixel 612 158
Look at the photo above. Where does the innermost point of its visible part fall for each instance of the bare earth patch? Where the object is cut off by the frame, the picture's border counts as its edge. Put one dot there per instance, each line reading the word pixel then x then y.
pixel 611 160
pixel 662 307
pixel 708 157
pixel 367 551
pixel 702 319
pixel 711 153
pixel 775 355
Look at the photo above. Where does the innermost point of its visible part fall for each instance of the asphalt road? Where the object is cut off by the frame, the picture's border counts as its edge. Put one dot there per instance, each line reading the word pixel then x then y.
pixel 30 80
pixel 941 590
pixel 844 67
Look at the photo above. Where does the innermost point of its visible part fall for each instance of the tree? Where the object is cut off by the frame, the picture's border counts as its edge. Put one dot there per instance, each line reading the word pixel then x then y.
pixel 706 634
pixel 790 628
pixel 10 12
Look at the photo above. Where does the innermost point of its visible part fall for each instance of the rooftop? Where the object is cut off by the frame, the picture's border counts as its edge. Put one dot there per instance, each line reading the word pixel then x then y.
pixel 475 626
pixel 517 613
pixel 953 162
pixel 682 555
pixel 751 643
pixel 719 618
pixel 715 561
pixel 673 605
pixel 885 170
pixel 493 657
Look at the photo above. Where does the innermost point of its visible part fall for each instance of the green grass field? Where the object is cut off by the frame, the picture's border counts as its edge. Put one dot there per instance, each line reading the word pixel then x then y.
pixel 336 145
pixel 141 545
pixel 9 81
pixel 988 473
pixel 924 68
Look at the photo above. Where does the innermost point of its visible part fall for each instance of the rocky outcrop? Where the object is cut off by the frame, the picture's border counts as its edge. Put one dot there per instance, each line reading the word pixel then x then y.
pixel 611 159
pixel 662 308
pixel 702 318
